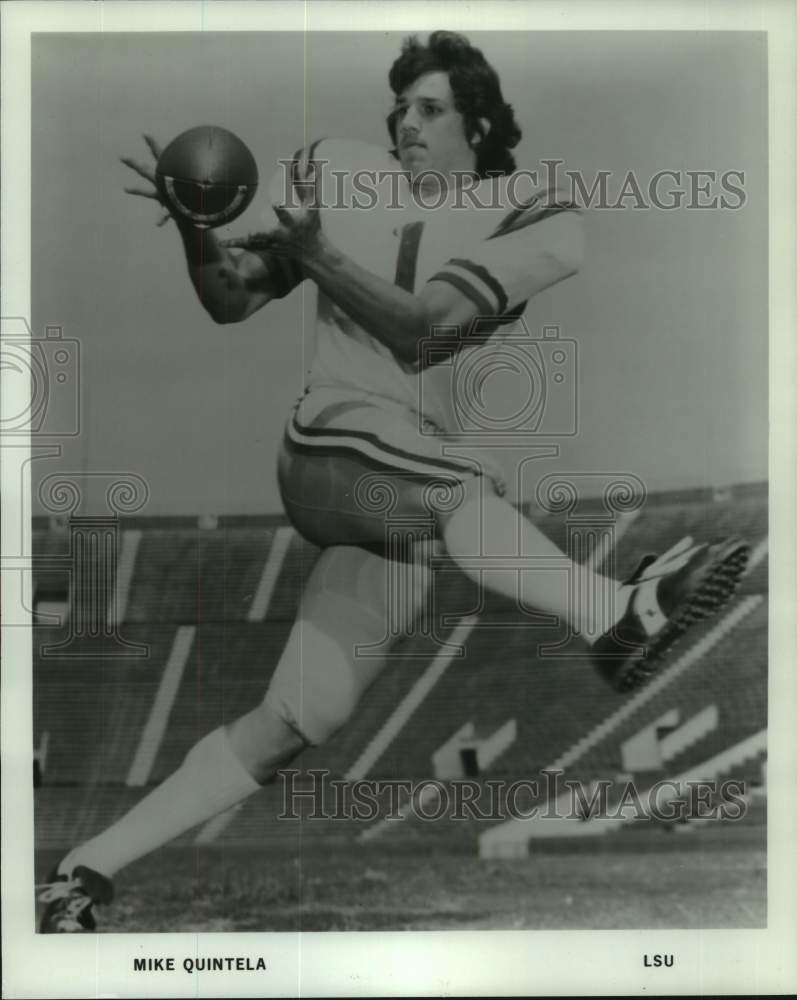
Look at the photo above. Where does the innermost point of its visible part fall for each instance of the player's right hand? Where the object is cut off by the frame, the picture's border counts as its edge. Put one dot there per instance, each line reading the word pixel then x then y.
pixel 148 173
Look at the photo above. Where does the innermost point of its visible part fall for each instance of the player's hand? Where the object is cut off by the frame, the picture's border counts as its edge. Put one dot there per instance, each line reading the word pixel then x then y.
pixel 294 243
pixel 297 235
pixel 148 173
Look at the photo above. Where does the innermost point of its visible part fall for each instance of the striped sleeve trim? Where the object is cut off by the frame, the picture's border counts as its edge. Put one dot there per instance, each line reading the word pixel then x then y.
pixel 535 210
pixel 480 273
pixel 475 281
pixel 464 286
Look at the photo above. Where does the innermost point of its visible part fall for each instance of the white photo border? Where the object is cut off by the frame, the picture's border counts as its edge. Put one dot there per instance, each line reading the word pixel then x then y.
pixel 413 963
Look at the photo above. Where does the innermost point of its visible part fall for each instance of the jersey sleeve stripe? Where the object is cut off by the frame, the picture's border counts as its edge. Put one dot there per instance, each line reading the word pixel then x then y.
pixel 475 281
pixel 481 273
pixel 462 282
pixel 522 222
pixel 535 210
pixel 511 217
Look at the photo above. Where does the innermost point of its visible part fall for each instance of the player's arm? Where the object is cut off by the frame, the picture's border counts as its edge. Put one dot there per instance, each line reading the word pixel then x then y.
pixel 398 318
pixel 502 273
pixel 230 286
pixel 534 249
pixel 497 274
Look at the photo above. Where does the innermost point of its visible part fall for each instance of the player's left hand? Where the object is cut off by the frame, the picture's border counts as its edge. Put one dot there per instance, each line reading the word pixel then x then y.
pixel 298 235
pixel 296 238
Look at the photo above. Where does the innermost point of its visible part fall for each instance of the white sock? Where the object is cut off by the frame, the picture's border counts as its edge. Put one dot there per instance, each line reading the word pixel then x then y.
pixel 599 617
pixel 210 780
pixel 590 602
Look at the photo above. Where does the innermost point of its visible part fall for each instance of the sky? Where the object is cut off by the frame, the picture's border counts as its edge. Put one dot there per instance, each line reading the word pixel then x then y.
pixel 669 311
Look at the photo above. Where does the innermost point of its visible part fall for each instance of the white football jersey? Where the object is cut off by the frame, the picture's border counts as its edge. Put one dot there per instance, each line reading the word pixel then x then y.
pixel 497 250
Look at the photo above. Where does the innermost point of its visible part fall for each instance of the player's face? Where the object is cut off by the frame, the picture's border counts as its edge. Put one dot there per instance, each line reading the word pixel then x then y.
pixel 430 132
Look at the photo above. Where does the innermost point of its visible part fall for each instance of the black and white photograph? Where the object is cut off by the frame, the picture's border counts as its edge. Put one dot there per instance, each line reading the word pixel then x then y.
pixel 393 450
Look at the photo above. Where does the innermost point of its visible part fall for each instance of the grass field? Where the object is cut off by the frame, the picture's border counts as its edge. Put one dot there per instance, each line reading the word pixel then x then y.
pixel 707 878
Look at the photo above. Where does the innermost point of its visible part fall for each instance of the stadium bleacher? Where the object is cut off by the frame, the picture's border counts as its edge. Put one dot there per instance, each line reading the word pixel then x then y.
pixel 95 707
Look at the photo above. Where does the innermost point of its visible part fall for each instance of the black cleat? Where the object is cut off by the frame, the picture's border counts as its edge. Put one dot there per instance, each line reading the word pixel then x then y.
pixel 688 584
pixel 70 901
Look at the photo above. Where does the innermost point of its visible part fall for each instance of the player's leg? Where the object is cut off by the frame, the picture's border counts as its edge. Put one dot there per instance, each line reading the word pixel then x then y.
pixel 517 560
pixel 314 690
pixel 630 625
pixel 211 779
pixel 490 539
pixel 406 465
pixel 231 763
pixel 347 621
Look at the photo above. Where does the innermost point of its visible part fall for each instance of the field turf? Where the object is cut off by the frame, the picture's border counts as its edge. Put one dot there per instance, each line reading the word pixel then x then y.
pixel 704 878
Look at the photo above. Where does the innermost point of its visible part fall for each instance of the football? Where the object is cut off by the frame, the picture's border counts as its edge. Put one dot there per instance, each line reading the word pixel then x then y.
pixel 206 176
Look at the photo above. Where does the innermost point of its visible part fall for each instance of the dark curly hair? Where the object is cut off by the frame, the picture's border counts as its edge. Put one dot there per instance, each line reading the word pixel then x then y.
pixel 477 94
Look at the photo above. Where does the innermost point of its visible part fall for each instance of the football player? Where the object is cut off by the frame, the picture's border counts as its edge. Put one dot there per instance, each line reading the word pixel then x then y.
pixel 364 446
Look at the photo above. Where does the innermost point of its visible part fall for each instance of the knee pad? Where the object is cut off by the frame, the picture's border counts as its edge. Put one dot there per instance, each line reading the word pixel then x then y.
pixel 320 677
pixel 319 681
pixel 353 605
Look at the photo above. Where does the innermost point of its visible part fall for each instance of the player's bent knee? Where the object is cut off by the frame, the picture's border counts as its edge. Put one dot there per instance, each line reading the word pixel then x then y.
pixel 316 716
pixel 352 607
pixel 474 491
pixel 263 741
